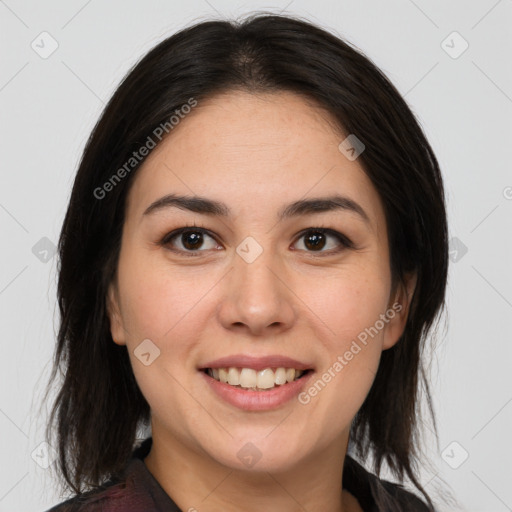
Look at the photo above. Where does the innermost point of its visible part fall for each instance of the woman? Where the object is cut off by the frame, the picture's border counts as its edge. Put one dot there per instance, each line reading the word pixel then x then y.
pixel 254 253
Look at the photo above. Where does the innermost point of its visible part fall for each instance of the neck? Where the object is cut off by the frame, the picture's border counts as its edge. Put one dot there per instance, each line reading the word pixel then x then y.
pixel 195 481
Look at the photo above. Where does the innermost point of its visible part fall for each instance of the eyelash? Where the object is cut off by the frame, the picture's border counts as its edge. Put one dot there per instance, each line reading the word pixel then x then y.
pixel 342 239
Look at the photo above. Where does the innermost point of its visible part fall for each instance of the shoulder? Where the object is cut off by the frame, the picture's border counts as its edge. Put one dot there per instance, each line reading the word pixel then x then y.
pixel 377 495
pixel 115 494
pixel 130 492
pixel 106 498
pixel 133 490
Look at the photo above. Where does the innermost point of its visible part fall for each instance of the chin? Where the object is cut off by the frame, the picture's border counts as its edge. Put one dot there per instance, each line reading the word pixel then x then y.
pixel 258 453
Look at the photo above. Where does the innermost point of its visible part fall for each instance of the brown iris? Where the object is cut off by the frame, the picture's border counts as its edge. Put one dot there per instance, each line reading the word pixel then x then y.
pixel 192 240
pixel 315 241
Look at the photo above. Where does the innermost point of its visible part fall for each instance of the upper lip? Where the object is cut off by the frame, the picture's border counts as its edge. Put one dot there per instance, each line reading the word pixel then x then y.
pixel 256 363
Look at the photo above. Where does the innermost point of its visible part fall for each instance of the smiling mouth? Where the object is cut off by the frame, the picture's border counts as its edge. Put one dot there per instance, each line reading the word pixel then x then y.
pixel 252 380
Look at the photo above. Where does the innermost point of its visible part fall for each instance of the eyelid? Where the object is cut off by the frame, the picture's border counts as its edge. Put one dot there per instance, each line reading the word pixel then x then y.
pixel 175 232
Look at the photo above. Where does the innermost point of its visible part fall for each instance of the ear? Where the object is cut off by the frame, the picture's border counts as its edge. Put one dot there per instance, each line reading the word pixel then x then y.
pixel 114 314
pixel 398 310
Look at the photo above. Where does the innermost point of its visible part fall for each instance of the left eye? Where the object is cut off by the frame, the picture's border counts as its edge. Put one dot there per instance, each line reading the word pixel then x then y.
pixel 316 239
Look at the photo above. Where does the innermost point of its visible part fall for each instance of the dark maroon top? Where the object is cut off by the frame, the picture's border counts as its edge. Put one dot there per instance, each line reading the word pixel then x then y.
pixel 138 491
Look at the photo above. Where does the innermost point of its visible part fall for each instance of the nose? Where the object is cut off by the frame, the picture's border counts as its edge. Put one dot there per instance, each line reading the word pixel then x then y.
pixel 257 300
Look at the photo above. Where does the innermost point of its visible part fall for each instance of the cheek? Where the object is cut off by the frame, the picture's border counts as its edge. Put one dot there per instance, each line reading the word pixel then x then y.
pixel 349 303
pixel 158 303
pixel 170 309
pixel 350 307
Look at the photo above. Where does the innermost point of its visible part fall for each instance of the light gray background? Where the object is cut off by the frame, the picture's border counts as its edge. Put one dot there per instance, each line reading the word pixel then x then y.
pixel 49 106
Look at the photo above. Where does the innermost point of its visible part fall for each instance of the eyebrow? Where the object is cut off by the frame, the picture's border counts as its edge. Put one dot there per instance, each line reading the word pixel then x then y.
pixel 211 207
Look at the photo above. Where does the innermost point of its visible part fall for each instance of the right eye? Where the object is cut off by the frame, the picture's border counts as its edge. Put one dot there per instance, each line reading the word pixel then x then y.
pixel 189 240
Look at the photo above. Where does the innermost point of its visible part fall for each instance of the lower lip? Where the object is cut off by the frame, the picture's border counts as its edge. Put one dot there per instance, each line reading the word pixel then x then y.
pixel 257 400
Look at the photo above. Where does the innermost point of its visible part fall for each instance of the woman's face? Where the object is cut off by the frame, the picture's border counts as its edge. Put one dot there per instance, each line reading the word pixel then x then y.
pixel 254 280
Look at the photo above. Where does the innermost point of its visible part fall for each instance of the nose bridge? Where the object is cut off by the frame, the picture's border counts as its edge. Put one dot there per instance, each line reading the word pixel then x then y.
pixel 257 278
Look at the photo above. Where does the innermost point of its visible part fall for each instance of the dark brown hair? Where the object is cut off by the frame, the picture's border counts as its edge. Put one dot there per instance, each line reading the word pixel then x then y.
pixel 99 407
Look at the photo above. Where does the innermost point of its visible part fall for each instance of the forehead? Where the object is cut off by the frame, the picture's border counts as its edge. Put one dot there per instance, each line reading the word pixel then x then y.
pixel 254 153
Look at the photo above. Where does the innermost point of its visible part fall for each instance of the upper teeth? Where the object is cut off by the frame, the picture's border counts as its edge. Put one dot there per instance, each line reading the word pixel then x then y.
pixel 249 378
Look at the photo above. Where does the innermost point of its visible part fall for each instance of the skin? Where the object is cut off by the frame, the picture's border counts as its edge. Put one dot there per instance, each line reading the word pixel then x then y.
pixel 255 153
